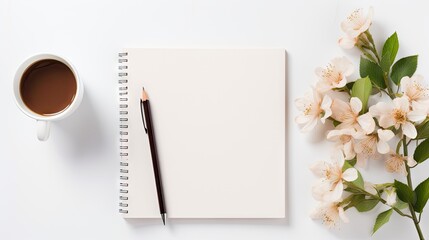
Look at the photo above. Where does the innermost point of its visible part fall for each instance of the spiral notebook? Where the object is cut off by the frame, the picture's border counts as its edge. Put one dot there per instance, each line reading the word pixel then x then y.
pixel 219 122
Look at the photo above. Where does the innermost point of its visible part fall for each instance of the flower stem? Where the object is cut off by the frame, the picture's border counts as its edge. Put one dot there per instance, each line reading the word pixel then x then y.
pixel 364 192
pixel 410 184
pixel 368 43
pixel 385 203
pixel 386 81
pixel 373 48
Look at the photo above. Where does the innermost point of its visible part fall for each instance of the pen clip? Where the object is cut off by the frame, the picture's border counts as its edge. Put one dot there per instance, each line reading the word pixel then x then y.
pixel 142 113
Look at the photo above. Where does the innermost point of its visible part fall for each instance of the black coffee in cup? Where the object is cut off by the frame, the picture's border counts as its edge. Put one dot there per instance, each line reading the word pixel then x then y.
pixel 48 87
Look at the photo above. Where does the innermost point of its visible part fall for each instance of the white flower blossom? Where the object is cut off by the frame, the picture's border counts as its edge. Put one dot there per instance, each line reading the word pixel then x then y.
pixel 321 190
pixel 420 111
pixel 348 115
pixel 396 114
pixel 313 107
pixel 330 214
pixel 345 139
pixel 357 22
pixel 331 177
pixel 334 75
pixel 353 27
pixel 395 163
pixel 370 145
pixel 415 88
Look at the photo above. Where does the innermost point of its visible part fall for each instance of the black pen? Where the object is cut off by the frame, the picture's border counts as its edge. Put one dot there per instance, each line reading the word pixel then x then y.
pixel 145 111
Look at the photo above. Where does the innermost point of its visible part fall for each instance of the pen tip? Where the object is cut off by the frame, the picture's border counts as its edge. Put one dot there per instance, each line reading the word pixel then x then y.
pixel 163 218
pixel 144 96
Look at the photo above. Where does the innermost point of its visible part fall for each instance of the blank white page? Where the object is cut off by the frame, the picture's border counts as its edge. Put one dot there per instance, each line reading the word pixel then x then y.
pixel 219 123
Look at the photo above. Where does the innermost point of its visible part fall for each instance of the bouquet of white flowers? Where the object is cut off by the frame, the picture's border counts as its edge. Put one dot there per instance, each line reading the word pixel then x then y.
pixel 381 131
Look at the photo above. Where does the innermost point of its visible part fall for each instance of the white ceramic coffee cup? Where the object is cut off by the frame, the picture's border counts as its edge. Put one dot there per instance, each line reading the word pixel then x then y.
pixel 43 122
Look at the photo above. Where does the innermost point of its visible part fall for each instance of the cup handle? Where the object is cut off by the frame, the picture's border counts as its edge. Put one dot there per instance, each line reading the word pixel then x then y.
pixel 43 129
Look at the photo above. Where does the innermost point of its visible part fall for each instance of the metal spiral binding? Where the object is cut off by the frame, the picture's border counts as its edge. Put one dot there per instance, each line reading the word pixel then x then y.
pixel 123 126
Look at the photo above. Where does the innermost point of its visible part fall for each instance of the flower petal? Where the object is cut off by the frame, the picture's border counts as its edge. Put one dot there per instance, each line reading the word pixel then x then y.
pixel 361 160
pixel 334 134
pixel 405 82
pixel 421 106
pixel 367 21
pixel 347 42
pixel 366 122
pixel 323 86
pixel 338 108
pixel 318 168
pixel 420 111
pixel 356 105
pixel 342 215
pixel 310 125
pixel 357 23
pixel 381 108
pixel 350 174
pixel 317 213
pixel 319 72
pixel 359 134
pixel 303 119
pixel 317 96
pixel 341 83
pixel 320 190
pixel 302 102
pixel 415 88
pixel 411 162
pixel 386 121
pixel 336 193
pixel 338 156
pixel 349 150
pixel 402 103
pixel 409 130
pixel 383 147
pixel 417 116
pixel 343 65
pixel 385 135
pixel 326 107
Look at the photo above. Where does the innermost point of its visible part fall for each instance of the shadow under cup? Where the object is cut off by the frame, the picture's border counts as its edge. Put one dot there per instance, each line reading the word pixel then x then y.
pixel 48 87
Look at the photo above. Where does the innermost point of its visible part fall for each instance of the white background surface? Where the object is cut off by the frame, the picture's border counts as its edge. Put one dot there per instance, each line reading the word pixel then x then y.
pixel 66 188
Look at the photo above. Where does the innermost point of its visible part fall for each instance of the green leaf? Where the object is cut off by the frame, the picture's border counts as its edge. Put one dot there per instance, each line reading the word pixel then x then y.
pixel 382 219
pixel 422 194
pixel 362 89
pixel 390 49
pixel 384 63
pixel 361 203
pixel 422 151
pixel 359 181
pixel 366 205
pixel 356 198
pixel 404 67
pixel 373 71
pixel 336 123
pixel 423 131
pixel 346 166
pixel 404 192
pixel 352 161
